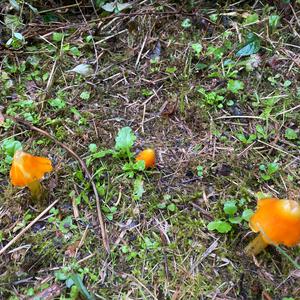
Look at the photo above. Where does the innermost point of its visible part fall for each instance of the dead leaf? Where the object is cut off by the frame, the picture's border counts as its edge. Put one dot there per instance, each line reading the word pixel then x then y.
pixel 71 250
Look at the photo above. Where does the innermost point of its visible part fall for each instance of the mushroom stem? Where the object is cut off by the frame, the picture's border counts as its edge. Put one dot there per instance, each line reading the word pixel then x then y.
pixel 256 246
pixel 36 190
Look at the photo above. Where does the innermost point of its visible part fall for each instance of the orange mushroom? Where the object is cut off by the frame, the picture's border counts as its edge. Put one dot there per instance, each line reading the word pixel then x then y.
pixel 148 156
pixel 28 170
pixel 277 221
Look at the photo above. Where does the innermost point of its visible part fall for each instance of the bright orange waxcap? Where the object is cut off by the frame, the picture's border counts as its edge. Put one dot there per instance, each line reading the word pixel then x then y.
pixel 27 168
pixel 148 156
pixel 278 221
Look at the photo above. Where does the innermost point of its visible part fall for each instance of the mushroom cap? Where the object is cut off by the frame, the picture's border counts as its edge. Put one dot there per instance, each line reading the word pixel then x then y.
pixel 27 168
pixel 278 221
pixel 148 156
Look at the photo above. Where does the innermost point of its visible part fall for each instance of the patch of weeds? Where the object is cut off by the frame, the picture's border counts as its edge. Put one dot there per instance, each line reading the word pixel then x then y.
pixel 231 208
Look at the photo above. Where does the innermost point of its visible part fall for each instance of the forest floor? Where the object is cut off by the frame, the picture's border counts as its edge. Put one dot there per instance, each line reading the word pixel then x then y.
pixel 212 87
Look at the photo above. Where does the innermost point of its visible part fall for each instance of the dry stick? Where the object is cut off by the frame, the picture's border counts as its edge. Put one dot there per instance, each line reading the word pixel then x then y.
pixel 239 117
pixel 84 168
pixel 27 227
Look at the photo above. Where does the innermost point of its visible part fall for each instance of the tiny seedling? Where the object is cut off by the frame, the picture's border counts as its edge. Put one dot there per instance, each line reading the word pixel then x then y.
pixel 109 211
pixel 186 23
pixel 274 21
pixel 200 171
pixel 268 171
pixel 246 139
pixel 197 47
pixel 290 134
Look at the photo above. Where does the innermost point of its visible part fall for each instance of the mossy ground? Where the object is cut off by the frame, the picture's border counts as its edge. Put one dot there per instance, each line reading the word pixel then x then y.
pixel 161 247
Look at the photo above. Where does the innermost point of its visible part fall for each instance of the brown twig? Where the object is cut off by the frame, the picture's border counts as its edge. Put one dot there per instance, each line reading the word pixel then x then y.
pixel 17 237
pixel 83 167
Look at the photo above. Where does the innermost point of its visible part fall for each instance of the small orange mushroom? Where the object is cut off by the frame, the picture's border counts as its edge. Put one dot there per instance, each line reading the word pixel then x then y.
pixel 148 156
pixel 28 170
pixel 277 221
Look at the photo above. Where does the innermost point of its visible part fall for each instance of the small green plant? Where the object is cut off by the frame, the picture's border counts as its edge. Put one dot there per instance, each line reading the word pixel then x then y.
pixel 197 47
pixel 253 18
pixel 274 21
pixel 9 147
pixel 109 211
pixel 129 252
pixel 246 139
pixel 186 23
pixel 138 188
pixel 57 103
pixel 230 208
pixel 124 142
pixel 85 95
pixel 171 70
pixel 200 171
pixel 64 225
pixel 167 204
pixel 211 98
pixel 235 86
pixel 72 276
pixel 268 171
pixel 290 134
pixel 27 217
pixel 261 132
pixel 17 41
pixel 274 80
pixel 131 168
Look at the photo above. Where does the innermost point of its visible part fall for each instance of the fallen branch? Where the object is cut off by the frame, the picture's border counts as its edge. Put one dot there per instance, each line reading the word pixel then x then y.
pixel 83 167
